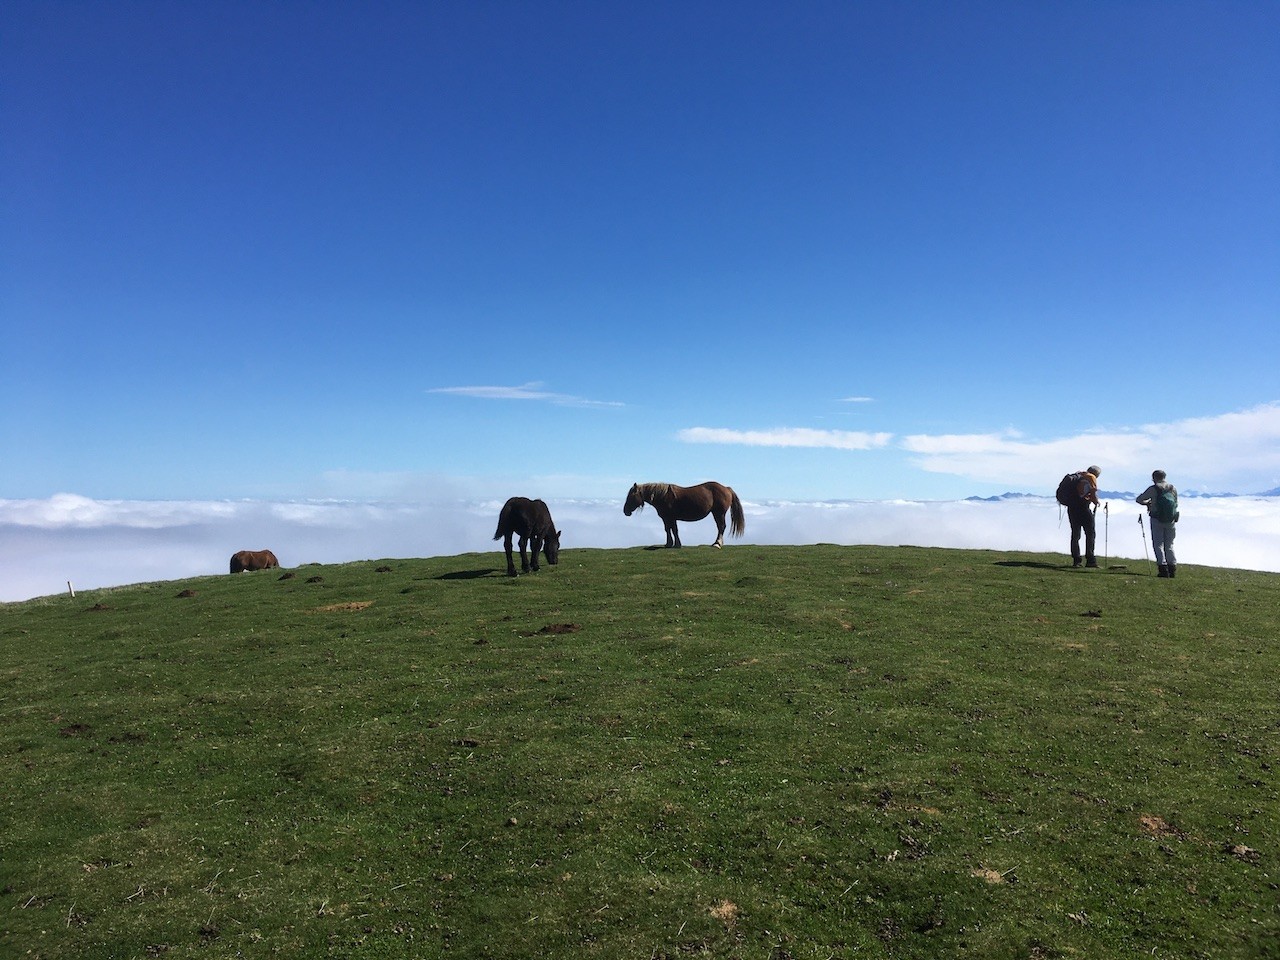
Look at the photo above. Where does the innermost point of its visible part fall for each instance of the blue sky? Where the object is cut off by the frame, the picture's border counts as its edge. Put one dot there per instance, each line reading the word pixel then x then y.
pixel 812 250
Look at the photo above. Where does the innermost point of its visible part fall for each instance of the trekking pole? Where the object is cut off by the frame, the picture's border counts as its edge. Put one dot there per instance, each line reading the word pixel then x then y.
pixel 1144 537
pixel 1106 535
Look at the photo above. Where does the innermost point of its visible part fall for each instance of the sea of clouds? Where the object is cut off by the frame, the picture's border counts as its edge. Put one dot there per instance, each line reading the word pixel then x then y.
pixel 46 544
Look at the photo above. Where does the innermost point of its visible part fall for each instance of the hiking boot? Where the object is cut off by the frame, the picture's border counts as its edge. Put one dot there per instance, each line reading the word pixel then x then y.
pixel 1164 571
pixel 1075 561
pixel 1173 568
pixel 1091 562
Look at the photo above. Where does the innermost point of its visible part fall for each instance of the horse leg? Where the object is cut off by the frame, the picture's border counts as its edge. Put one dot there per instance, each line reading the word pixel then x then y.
pixel 673 534
pixel 719 542
pixel 511 565
pixel 524 560
pixel 535 544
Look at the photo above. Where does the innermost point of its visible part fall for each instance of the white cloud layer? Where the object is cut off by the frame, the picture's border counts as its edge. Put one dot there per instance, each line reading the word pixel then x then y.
pixel 1234 451
pixel 1228 452
pixel 102 543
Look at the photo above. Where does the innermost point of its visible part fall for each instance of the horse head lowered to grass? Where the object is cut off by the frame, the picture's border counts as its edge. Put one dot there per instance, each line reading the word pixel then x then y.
pixel 531 521
pixel 253 560
pixel 688 503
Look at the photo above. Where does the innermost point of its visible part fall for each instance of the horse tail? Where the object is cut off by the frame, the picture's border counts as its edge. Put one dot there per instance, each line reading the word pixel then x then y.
pixel 506 520
pixel 738 521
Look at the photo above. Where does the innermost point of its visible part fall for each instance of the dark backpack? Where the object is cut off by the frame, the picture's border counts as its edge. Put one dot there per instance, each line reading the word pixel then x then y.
pixel 1069 489
pixel 1165 507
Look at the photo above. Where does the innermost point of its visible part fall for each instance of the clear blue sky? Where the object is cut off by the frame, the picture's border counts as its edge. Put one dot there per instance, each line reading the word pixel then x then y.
pixel 813 250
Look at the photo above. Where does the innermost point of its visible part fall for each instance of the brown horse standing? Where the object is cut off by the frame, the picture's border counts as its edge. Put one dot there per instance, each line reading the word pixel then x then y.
pixel 688 503
pixel 253 560
pixel 529 520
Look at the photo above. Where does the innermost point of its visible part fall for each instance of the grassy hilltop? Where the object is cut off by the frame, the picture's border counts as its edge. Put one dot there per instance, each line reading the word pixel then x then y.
pixel 761 752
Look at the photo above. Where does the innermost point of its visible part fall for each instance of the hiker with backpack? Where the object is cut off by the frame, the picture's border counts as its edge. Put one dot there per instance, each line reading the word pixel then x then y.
pixel 1078 492
pixel 1161 501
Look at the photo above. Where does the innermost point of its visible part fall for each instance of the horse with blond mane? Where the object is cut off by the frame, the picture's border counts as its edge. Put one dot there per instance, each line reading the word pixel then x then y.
pixel 689 504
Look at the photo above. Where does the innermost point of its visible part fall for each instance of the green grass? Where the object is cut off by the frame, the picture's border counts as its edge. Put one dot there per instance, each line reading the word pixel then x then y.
pixel 761 752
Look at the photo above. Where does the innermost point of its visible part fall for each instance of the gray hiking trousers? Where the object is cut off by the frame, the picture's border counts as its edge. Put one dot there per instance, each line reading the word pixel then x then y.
pixel 1162 535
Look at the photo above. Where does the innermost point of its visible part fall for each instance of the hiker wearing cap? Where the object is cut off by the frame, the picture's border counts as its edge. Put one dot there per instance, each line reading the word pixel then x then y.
pixel 1080 511
pixel 1161 501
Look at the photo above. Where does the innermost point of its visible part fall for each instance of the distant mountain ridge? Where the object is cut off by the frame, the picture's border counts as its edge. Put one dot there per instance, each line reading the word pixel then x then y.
pixel 1119 495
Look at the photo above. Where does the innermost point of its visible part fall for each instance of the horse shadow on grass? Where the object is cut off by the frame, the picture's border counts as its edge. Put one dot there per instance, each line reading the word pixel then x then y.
pixel 469 574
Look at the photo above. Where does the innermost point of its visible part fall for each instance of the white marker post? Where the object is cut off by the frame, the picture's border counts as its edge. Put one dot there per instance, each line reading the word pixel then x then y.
pixel 71 590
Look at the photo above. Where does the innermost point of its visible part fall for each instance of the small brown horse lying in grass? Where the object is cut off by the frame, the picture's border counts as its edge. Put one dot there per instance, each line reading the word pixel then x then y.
pixel 688 503
pixel 530 520
pixel 253 560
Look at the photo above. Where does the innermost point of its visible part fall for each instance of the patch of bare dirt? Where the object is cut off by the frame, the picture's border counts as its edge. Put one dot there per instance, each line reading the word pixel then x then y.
pixel 1158 826
pixel 1241 852
pixel 726 911
pixel 990 876
pixel 558 628
pixel 351 607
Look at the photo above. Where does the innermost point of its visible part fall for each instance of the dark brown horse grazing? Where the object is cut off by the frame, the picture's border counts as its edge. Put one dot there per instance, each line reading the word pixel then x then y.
pixel 688 503
pixel 253 560
pixel 530 520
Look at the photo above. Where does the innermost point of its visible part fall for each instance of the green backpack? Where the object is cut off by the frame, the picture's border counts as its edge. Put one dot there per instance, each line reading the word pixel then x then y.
pixel 1166 505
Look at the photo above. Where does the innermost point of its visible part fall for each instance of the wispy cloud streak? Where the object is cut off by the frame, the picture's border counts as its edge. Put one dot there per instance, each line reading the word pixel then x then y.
pixel 788 437
pixel 528 391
